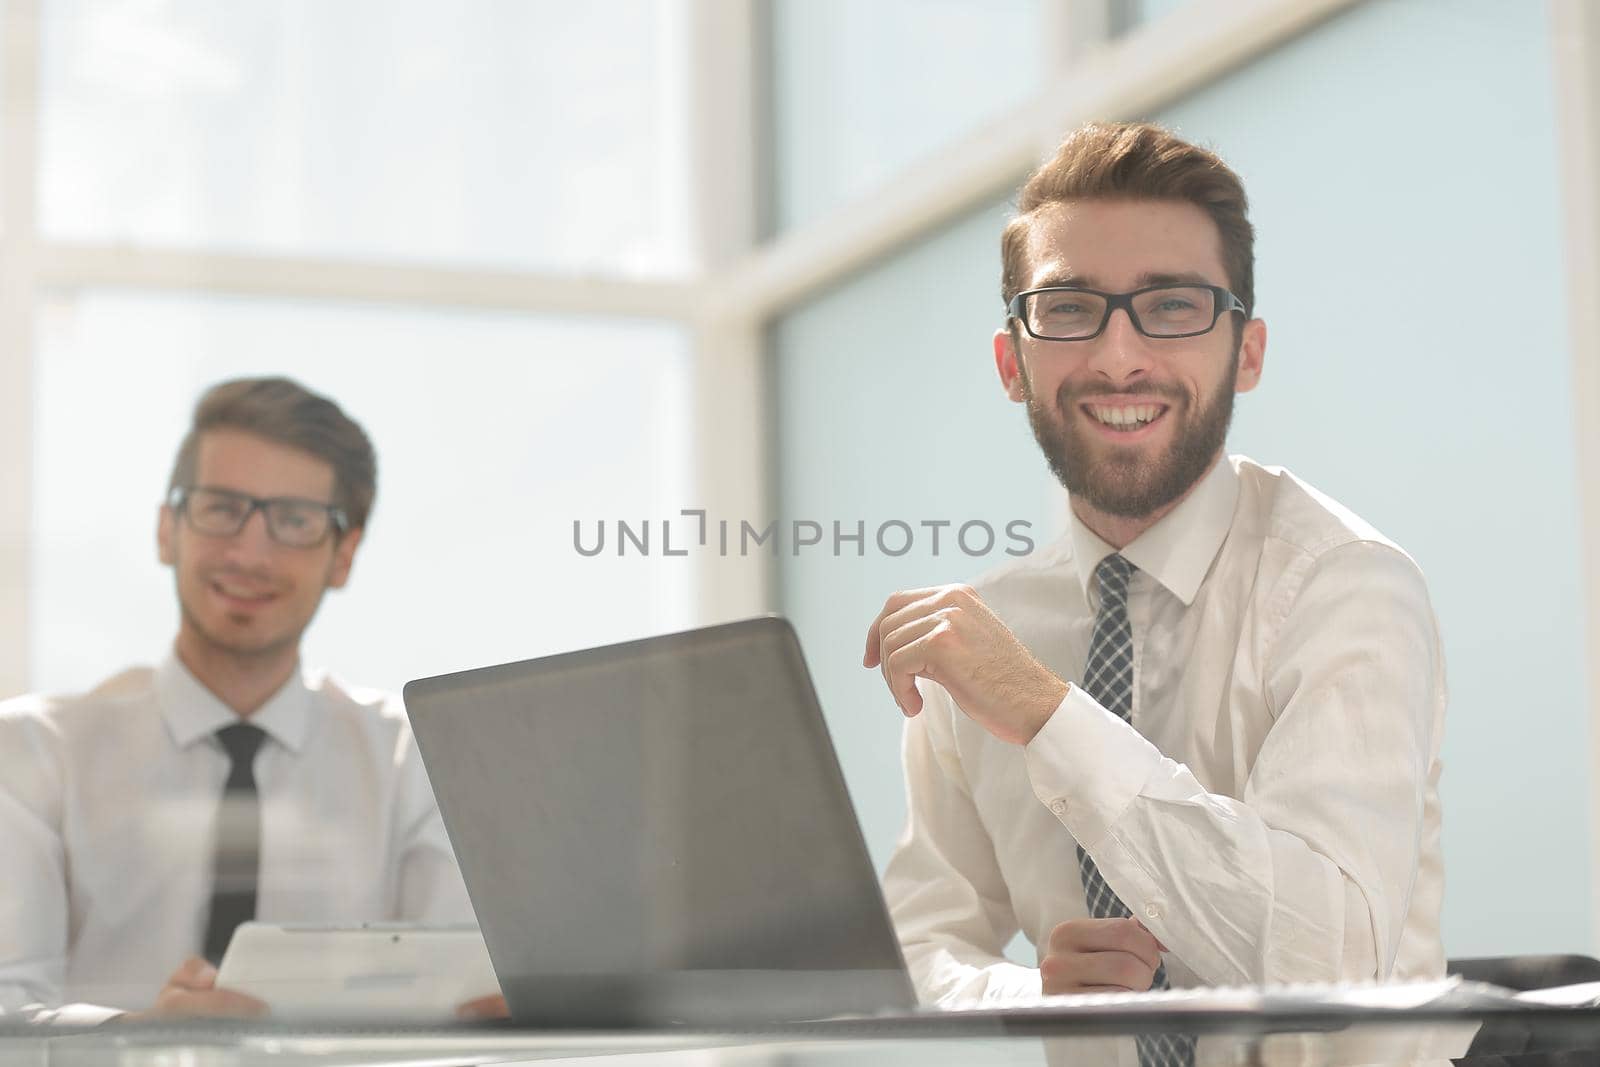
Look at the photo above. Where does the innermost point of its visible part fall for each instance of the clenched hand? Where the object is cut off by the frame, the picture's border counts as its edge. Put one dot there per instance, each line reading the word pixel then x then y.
pixel 948 635
pixel 1100 956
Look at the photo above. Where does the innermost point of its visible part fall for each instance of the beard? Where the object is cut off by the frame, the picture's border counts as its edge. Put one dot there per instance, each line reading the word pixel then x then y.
pixel 1119 480
pixel 240 650
pixel 251 644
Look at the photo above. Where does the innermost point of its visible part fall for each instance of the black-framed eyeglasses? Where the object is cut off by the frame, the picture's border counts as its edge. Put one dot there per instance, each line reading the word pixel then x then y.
pixel 291 521
pixel 1072 313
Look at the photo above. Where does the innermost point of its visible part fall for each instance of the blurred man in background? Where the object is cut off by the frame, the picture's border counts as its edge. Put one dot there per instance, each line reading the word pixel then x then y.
pixel 1195 742
pixel 141 822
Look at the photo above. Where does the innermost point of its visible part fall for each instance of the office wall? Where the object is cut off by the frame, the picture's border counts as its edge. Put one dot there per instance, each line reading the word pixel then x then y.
pixel 1395 156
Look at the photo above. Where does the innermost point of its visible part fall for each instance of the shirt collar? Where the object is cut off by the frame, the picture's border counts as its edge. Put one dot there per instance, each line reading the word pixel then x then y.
pixel 192 711
pixel 1178 550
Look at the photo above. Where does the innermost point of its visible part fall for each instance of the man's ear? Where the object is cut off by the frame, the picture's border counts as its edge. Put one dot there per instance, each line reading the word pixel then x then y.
pixel 1252 354
pixel 344 556
pixel 1006 362
pixel 167 535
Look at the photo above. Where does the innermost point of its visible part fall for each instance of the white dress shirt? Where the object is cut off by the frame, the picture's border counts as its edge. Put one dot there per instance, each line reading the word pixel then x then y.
pixel 1272 813
pixel 107 808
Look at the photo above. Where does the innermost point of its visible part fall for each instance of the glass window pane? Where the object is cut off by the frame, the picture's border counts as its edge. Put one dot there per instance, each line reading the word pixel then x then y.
pixel 494 432
pixel 516 133
pixel 990 473
pixel 862 90
pixel 1339 398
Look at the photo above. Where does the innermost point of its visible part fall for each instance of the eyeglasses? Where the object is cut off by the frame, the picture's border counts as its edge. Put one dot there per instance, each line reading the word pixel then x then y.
pixel 291 521
pixel 1070 313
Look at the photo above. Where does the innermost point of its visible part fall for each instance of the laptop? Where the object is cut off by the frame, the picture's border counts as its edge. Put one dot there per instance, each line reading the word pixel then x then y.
pixel 658 832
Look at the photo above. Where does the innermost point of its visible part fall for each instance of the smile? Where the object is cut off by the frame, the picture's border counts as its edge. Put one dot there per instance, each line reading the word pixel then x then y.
pixel 237 592
pixel 1125 418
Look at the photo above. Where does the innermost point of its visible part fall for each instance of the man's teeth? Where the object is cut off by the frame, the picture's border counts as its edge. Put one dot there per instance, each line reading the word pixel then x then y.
pixel 241 594
pixel 1133 416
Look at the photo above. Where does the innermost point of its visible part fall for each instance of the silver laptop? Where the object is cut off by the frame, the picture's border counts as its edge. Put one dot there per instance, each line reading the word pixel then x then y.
pixel 658 832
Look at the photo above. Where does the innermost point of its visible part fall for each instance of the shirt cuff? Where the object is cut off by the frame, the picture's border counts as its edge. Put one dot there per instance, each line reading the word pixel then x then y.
pixel 950 983
pixel 1087 765
pixel 1011 982
pixel 71 1015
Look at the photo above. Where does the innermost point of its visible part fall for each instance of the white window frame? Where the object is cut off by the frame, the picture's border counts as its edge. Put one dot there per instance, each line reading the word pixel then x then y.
pixel 1575 41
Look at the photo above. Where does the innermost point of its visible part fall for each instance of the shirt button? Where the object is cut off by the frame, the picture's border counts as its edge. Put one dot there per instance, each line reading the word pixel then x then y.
pixel 1152 912
pixel 1058 806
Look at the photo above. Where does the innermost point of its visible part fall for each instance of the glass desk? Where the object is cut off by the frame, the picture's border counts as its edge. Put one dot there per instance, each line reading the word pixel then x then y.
pixel 1342 1039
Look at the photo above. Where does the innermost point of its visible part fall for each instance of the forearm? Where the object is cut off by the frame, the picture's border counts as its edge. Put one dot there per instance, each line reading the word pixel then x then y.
pixel 33 907
pixel 959 975
pixel 952 933
pixel 1306 879
pixel 948 900
pixel 430 888
pixel 428 885
pixel 1240 902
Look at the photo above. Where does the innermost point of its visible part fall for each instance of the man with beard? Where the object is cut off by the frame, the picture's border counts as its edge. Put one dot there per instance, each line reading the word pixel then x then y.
pixel 140 823
pixel 1196 741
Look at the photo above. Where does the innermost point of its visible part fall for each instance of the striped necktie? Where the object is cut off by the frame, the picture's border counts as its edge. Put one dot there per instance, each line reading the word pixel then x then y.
pixel 1108 677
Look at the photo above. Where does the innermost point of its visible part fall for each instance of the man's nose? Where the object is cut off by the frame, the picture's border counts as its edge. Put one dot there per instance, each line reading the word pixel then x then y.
pixel 253 538
pixel 1120 352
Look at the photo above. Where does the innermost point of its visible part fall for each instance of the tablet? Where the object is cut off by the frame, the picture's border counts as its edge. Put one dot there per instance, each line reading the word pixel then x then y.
pixel 394 971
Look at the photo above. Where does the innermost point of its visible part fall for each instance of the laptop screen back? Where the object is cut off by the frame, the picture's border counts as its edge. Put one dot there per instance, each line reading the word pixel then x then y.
pixel 658 831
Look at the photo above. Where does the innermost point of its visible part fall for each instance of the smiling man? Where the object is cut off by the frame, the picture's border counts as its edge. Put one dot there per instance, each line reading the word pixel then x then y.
pixel 142 822
pixel 1196 741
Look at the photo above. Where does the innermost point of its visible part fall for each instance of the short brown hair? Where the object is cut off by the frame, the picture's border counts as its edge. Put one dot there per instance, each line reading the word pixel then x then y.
pixel 287 413
pixel 1136 161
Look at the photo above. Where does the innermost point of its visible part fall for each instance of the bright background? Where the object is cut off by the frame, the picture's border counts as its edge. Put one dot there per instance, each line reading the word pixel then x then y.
pixel 616 259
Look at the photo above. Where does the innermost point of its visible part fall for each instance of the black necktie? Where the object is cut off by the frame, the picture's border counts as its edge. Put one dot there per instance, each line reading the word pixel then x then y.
pixel 238 840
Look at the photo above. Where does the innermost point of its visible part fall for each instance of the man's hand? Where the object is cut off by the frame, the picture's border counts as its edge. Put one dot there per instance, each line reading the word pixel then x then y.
pixel 192 991
pixel 1100 956
pixel 948 635
pixel 492 1006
